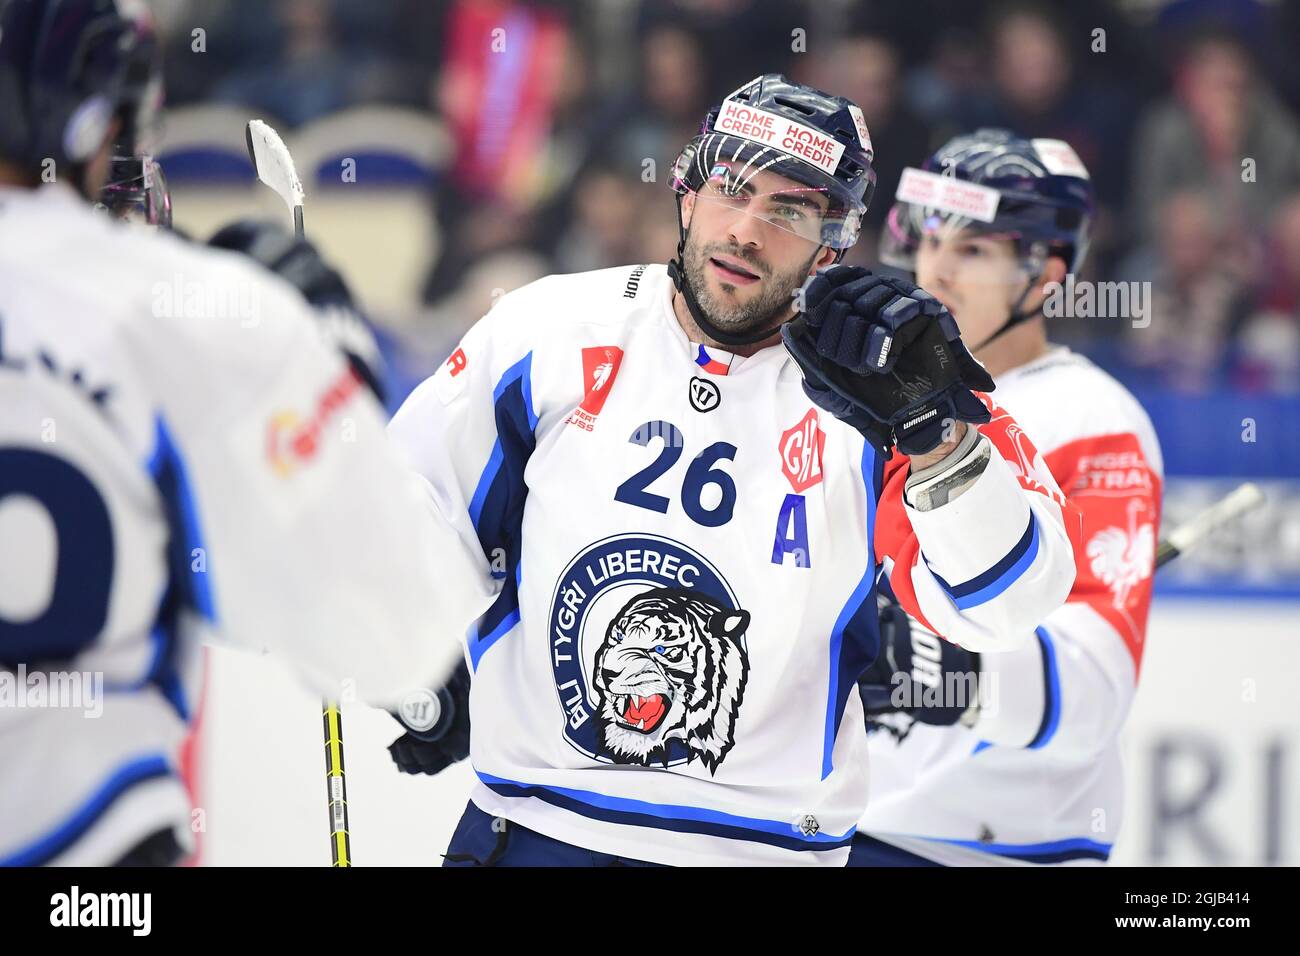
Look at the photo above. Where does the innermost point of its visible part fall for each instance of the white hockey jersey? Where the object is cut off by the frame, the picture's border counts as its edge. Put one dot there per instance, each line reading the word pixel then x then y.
pixel 178 448
pixel 1037 779
pixel 687 551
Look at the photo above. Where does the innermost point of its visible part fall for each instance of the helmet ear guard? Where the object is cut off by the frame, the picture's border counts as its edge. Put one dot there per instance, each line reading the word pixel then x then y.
pixel 1033 257
pixel 681 167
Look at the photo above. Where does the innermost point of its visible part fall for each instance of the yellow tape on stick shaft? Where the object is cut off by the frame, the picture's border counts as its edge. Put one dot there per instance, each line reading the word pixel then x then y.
pixel 336 786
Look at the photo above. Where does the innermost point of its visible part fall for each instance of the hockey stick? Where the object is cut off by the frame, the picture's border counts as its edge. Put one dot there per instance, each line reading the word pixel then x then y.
pixel 340 841
pixel 274 167
pixel 1237 502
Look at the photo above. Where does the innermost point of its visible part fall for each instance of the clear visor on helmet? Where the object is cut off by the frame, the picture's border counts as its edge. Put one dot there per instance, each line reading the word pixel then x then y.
pixel 770 186
pixel 942 211
pixel 136 191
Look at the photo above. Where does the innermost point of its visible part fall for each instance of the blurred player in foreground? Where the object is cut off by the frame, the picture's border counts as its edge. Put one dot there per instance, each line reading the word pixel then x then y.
pixel 686 522
pixel 180 453
pixel 1012 756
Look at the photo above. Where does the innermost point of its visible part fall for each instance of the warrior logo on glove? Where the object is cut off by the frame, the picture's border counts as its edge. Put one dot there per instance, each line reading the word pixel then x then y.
pixel 886 357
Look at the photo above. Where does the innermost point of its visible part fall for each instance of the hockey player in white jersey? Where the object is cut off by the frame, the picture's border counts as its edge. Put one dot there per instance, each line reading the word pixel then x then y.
pixel 686 542
pixel 180 453
pixel 1013 756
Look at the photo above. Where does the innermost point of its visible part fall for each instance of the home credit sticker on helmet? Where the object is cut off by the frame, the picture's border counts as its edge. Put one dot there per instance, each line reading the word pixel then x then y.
pixel 770 129
pixel 946 194
pixel 1059 158
pixel 864 137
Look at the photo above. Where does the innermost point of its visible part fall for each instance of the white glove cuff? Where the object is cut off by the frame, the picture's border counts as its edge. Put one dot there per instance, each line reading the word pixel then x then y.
pixel 945 480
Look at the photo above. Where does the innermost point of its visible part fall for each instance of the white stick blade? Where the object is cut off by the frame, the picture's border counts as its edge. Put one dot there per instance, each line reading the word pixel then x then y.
pixel 272 162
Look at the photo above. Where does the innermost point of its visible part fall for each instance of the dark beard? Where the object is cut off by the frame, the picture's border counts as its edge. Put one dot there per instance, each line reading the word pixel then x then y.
pixel 766 311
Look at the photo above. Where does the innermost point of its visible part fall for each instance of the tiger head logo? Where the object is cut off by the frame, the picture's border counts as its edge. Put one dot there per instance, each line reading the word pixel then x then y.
pixel 671 667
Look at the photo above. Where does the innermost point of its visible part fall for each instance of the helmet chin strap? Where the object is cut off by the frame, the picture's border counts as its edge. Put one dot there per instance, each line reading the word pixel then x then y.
pixel 678 275
pixel 1017 317
pixel 677 272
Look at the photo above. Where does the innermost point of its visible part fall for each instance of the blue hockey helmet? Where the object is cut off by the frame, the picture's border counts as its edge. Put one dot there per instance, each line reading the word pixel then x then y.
pixel 796 131
pixel 770 124
pixel 68 68
pixel 1034 191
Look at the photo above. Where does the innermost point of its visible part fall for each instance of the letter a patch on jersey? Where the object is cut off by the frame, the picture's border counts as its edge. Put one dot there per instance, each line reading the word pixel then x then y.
pixel 599 368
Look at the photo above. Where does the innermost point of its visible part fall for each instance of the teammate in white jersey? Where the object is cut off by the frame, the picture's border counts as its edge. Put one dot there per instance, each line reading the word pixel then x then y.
pixel 1013 756
pixel 180 453
pixel 686 546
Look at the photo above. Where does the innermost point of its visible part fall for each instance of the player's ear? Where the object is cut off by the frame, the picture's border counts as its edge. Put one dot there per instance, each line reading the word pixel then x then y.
pixel 1053 271
pixel 688 207
pixel 824 258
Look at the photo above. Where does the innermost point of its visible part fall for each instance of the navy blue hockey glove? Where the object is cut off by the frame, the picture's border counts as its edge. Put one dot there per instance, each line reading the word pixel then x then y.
pixel 296 260
pixel 917 673
pixel 436 725
pixel 886 357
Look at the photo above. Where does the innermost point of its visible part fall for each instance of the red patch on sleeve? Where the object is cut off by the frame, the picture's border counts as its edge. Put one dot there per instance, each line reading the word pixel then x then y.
pixel 1109 481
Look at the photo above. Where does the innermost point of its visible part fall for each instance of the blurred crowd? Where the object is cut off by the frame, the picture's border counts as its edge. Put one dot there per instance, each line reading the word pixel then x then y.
pixel 564 132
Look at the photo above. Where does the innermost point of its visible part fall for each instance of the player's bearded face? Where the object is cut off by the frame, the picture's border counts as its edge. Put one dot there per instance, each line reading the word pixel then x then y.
pixel 736 303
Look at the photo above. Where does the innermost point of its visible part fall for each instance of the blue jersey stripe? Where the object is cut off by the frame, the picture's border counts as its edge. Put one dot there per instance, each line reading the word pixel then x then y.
pixel 1051 697
pixel 855 639
pixel 187 586
pixel 496 624
pixel 65 834
pixel 985 587
pixel 497 506
pixel 162 672
pixel 172 478
pixel 1051 692
pixel 1054 851
pixel 485 482
pixel 522 373
pixel 681 819
pixel 868 851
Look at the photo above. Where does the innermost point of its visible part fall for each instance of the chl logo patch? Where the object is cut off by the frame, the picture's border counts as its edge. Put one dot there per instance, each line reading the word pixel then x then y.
pixel 801 451
pixel 705 396
pixel 648 653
